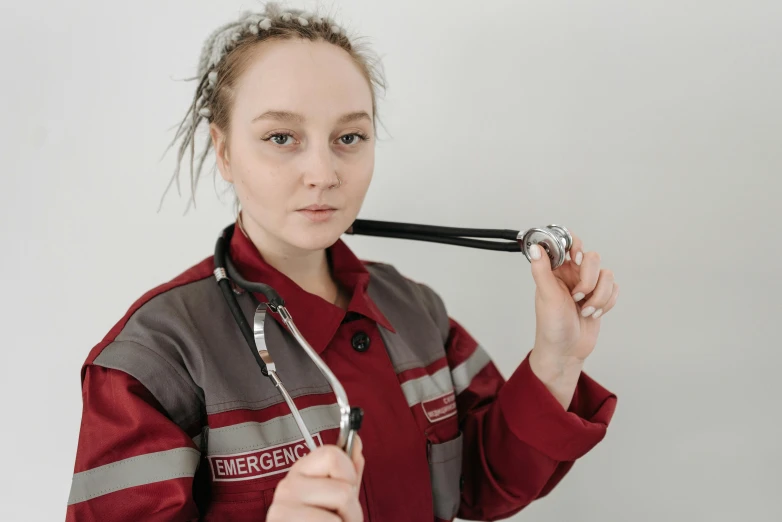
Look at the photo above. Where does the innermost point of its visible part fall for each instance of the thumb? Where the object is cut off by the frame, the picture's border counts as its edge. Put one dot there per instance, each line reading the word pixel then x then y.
pixel 542 273
pixel 358 458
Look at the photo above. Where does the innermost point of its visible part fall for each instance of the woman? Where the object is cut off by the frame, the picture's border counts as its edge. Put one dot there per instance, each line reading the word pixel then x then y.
pixel 178 423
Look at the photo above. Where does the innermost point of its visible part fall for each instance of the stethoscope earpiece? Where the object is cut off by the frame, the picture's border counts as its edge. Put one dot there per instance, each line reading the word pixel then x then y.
pixel 554 239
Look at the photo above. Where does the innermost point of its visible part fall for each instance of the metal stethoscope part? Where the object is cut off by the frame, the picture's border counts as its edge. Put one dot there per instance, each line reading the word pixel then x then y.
pixel 346 430
pixel 554 239
pixel 349 418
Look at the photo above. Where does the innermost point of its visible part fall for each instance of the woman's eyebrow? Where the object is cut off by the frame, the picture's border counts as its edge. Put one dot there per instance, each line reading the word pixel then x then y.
pixel 354 116
pixel 285 116
pixel 292 117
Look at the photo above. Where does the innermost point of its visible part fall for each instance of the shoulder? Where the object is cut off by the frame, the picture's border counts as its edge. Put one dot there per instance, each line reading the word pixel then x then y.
pixel 386 282
pixel 160 308
pixel 388 274
pixel 155 342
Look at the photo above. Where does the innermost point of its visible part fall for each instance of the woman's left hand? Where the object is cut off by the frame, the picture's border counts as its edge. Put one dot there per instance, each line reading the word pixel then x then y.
pixel 570 303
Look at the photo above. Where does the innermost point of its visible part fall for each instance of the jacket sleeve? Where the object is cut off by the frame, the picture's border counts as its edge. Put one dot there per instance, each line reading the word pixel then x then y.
pixel 132 462
pixel 518 440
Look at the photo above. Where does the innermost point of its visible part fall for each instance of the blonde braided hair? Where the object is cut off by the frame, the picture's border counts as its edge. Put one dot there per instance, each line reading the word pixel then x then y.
pixel 224 57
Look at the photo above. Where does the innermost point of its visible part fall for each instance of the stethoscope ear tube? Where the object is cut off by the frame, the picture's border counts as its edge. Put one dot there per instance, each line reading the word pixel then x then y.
pixel 556 240
pixel 225 286
pixel 274 299
pixel 223 262
pixel 346 416
pixel 448 240
pixel 225 272
pixel 368 226
pixel 259 331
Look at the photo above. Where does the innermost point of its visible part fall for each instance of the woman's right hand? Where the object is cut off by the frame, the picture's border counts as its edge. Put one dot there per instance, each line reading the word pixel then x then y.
pixel 321 486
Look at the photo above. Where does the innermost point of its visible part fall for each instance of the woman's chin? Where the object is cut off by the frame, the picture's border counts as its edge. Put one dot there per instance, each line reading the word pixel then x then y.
pixel 317 238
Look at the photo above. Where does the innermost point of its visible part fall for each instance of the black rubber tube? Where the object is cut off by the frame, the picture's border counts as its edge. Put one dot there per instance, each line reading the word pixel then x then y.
pixel 244 326
pixel 223 261
pixel 275 300
pixel 233 304
pixel 458 241
pixel 363 226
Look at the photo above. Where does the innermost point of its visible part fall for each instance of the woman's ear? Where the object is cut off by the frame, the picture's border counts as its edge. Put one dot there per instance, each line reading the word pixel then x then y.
pixel 221 152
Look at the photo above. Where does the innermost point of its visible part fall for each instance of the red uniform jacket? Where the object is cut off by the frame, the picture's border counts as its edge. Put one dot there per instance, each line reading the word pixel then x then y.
pixel 178 423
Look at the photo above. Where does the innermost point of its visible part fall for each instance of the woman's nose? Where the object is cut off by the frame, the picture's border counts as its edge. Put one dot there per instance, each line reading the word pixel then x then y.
pixel 320 168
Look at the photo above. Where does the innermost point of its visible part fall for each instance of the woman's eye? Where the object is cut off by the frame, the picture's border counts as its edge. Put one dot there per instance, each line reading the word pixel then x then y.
pixel 281 139
pixel 350 139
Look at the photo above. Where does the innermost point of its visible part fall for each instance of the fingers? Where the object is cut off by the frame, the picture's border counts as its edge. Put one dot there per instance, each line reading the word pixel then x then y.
pixel 591 282
pixel 588 276
pixel 581 274
pixel 576 252
pixel 322 485
pixel 358 458
pixel 322 493
pixel 595 306
pixel 568 273
pixel 546 282
pixel 284 512
pixel 611 301
pixel 326 461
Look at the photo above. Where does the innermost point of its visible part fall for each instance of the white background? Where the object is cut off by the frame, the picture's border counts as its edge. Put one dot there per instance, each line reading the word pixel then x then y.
pixel 652 129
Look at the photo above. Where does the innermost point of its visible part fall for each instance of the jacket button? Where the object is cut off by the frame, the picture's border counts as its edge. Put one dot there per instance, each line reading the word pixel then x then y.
pixel 360 342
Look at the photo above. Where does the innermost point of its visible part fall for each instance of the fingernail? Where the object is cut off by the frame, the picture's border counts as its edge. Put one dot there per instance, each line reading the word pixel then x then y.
pixel 579 258
pixel 534 252
pixel 578 296
pixel 598 313
pixel 589 310
pixel 567 256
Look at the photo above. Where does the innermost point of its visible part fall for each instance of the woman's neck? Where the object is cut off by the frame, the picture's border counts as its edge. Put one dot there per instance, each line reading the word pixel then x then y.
pixel 309 270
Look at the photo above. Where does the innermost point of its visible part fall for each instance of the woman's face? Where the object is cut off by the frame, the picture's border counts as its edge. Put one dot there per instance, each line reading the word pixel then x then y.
pixel 301 121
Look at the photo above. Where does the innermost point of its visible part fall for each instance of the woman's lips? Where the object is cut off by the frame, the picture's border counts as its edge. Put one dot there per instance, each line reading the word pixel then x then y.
pixel 317 216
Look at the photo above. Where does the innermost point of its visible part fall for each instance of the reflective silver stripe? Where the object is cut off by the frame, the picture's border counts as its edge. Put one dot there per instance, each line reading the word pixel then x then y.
pixel 427 387
pixel 134 471
pixel 464 373
pixel 444 380
pixel 249 436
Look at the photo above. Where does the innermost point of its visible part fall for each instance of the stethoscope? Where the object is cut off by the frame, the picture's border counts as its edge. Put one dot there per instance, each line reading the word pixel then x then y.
pixel 555 240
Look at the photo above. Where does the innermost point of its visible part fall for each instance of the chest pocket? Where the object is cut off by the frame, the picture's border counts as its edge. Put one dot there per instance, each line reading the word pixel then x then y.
pixel 417 351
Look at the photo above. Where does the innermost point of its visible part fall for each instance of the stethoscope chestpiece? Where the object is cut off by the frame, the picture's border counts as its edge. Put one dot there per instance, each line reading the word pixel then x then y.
pixel 554 239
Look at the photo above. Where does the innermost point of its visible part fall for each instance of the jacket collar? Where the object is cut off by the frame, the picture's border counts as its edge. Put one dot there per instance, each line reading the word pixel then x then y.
pixel 317 319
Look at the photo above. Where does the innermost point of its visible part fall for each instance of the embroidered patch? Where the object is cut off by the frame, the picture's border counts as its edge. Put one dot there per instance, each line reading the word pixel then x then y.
pixel 259 463
pixel 440 407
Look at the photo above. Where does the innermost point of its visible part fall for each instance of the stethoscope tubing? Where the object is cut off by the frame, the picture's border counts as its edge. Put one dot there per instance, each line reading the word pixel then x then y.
pixel 555 239
pixel 225 272
pixel 438 234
